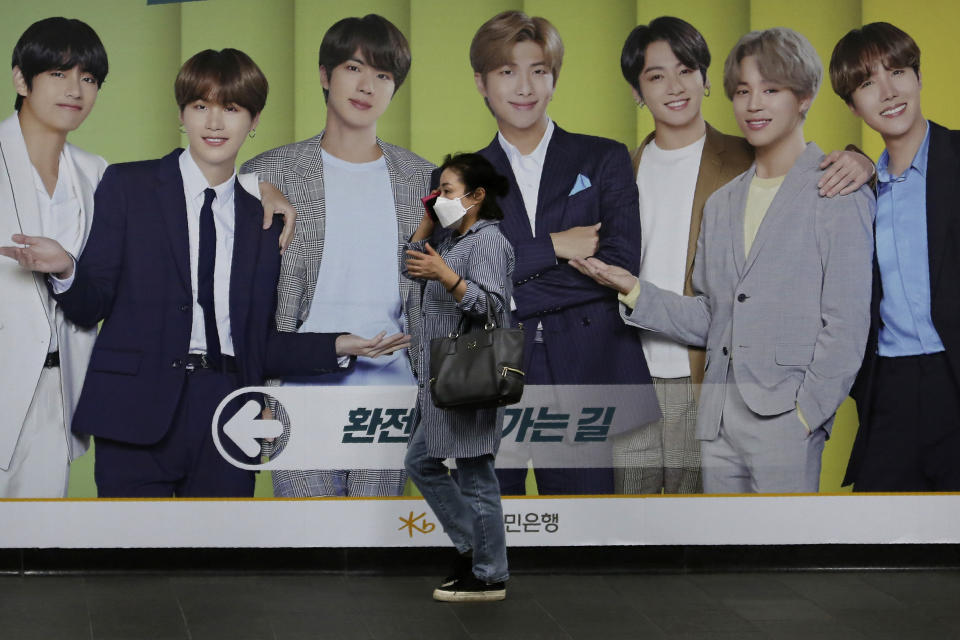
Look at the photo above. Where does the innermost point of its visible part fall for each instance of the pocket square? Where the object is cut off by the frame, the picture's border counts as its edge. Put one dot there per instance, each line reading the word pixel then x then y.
pixel 582 182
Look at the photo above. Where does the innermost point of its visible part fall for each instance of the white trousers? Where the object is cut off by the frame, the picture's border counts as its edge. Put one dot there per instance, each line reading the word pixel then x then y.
pixel 40 467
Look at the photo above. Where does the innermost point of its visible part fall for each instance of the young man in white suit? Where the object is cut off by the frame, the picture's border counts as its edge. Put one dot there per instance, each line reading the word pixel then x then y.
pixel 46 188
pixel 781 283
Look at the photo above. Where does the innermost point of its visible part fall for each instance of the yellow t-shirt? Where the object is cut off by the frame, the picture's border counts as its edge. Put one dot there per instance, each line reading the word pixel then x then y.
pixel 761 194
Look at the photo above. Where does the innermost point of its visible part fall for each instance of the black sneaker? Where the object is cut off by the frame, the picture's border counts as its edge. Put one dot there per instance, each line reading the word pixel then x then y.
pixel 462 567
pixel 469 588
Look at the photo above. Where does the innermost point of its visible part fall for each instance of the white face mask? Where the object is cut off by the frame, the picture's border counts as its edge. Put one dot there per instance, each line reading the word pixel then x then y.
pixel 450 211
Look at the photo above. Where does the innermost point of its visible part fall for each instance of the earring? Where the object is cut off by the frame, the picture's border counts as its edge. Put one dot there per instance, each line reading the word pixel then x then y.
pixel 640 103
pixel 182 129
pixel 706 92
pixel 253 133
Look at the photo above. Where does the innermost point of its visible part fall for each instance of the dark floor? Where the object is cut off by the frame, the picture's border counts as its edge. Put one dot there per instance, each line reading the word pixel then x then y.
pixel 804 605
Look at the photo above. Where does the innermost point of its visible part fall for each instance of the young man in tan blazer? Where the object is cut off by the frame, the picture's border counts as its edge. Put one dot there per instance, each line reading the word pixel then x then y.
pixel 678 166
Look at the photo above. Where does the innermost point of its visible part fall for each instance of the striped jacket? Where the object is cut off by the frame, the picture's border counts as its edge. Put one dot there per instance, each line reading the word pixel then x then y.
pixel 483 257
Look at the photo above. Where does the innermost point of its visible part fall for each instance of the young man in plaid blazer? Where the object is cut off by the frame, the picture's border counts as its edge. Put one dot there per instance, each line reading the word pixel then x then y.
pixel 358 200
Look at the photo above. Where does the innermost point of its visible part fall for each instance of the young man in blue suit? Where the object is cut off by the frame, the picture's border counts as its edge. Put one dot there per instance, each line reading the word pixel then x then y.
pixel 908 388
pixel 180 271
pixel 571 196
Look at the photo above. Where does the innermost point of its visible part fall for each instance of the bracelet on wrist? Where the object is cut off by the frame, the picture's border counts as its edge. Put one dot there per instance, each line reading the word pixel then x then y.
pixel 455 285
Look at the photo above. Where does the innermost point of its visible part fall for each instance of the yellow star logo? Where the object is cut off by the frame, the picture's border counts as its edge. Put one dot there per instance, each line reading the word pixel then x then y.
pixel 419 523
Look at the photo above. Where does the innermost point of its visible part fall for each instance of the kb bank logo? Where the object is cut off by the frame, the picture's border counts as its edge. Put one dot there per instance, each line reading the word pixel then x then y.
pixel 416 523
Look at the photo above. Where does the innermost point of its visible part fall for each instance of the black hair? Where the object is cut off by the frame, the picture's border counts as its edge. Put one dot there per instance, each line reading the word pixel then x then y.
pixel 476 171
pixel 61 44
pixel 685 41
pixel 383 46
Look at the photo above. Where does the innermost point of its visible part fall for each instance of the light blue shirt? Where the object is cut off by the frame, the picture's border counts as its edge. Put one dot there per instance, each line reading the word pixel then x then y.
pixel 358 286
pixel 907 327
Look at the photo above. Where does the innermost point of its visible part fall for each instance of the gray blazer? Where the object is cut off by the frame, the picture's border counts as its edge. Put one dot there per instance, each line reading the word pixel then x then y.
pixel 792 316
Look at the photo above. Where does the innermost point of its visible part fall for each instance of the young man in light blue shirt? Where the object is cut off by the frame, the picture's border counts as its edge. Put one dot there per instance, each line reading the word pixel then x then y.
pixel 907 389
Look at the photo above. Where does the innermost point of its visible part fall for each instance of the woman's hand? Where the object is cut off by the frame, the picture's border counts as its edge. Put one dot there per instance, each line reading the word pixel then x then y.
pixel 430 266
pixel 608 275
pixel 349 344
pixel 427 223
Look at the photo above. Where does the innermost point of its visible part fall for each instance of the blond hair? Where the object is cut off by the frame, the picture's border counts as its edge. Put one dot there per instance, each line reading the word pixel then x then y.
pixel 783 57
pixel 492 45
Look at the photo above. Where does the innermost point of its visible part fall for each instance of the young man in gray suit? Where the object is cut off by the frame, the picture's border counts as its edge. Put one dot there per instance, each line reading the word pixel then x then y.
pixel 358 201
pixel 678 166
pixel 781 285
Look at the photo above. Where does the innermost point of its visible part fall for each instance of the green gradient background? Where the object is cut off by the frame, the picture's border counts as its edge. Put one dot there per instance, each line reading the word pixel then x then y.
pixel 438 110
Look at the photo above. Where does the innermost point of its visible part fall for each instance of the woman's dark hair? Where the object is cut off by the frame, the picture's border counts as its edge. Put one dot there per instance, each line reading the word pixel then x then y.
pixel 476 171
pixel 61 44
pixel 685 41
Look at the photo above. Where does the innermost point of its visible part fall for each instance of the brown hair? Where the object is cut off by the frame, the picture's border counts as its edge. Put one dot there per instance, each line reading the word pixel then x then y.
pixel 861 49
pixel 227 76
pixel 783 56
pixel 493 43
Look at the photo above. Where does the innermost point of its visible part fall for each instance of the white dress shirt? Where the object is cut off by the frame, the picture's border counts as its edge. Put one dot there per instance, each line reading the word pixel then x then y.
pixel 61 220
pixel 528 169
pixel 667 180
pixel 194 184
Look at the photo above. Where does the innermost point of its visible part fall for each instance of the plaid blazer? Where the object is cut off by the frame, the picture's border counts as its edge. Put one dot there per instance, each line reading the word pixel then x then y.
pixel 297 170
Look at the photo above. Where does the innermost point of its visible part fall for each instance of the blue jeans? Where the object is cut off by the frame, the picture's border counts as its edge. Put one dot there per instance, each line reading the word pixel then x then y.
pixel 470 512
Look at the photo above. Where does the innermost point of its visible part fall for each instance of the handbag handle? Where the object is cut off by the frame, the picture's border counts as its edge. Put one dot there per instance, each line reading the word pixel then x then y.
pixel 492 322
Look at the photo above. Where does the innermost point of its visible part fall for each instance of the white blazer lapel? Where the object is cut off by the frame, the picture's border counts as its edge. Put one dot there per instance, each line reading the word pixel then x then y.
pixel 19 171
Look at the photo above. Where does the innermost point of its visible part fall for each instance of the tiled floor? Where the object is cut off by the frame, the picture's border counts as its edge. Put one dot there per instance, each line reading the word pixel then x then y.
pixel 803 605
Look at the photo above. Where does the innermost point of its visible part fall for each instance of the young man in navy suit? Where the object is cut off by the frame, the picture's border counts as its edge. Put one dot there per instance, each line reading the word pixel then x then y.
pixel 184 278
pixel 571 196
pixel 908 387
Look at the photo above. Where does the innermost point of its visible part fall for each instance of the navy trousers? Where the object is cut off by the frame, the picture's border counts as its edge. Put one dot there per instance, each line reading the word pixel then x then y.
pixel 914 439
pixel 554 481
pixel 185 462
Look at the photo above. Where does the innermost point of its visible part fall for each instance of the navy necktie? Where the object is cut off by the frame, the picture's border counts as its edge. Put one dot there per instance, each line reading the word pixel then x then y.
pixel 206 263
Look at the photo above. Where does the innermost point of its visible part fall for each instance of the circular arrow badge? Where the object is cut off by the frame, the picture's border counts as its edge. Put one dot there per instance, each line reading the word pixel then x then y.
pixel 250 428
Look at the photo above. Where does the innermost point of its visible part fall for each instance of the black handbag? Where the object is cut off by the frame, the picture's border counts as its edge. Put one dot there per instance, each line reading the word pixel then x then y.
pixel 477 366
